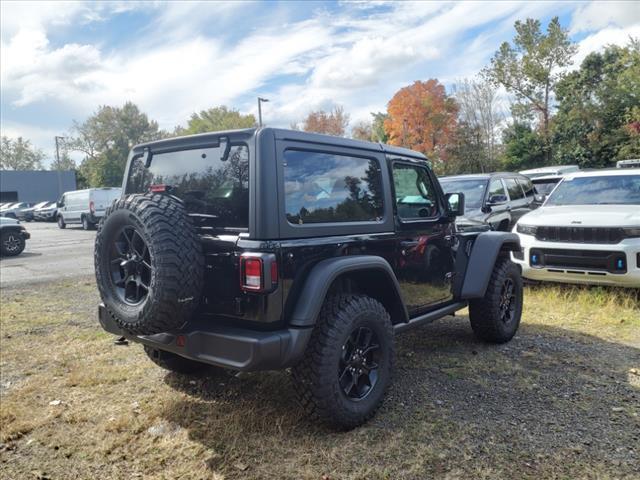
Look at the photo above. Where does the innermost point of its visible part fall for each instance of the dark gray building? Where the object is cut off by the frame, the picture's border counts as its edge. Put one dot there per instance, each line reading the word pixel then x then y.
pixel 35 185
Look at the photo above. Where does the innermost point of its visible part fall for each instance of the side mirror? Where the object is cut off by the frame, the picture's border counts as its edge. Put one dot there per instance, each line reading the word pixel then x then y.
pixel 497 199
pixel 455 204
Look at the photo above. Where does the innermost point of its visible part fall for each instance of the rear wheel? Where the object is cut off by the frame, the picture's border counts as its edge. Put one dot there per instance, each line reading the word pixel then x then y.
pixel 349 361
pixel 495 318
pixel 12 244
pixel 61 223
pixel 172 362
pixel 86 224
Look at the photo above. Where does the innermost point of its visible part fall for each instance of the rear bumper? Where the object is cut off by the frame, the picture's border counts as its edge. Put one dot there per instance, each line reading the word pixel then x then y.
pixel 223 346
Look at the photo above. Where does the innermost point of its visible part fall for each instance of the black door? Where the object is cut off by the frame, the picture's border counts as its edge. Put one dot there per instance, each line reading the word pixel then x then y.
pixel 518 202
pixel 423 257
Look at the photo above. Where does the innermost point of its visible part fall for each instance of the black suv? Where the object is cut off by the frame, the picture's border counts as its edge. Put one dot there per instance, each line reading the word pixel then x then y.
pixel 268 249
pixel 493 201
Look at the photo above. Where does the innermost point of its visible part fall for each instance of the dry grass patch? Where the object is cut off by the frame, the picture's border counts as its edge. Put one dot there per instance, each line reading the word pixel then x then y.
pixel 560 401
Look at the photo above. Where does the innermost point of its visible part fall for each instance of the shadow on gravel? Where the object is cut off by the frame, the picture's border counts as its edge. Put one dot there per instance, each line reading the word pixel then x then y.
pixel 549 403
pixel 22 255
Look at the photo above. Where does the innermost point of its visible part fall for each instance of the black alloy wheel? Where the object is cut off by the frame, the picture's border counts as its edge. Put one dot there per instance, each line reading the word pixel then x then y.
pixel 508 301
pixel 130 264
pixel 12 244
pixel 358 369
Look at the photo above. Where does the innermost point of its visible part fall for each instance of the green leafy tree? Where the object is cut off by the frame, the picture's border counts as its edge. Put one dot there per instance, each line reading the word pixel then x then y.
pixel 598 119
pixel 106 137
pixel 217 119
pixel 523 148
pixel 378 133
pixel 19 154
pixel 531 68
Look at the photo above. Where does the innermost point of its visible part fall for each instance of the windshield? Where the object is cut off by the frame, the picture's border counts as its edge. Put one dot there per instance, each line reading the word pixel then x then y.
pixel 544 188
pixel 605 190
pixel 216 191
pixel 473 191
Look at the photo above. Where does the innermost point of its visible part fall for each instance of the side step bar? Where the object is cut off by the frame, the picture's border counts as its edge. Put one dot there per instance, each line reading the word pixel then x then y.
pixel 428 317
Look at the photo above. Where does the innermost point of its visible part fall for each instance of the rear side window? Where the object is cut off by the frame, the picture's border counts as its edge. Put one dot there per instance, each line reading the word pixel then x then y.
pixel 515 192
pixel 527 186
pixel 328 187
pixel 215 191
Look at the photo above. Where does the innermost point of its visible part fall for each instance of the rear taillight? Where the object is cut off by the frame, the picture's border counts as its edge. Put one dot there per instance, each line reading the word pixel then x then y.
pixel 258 272
pixel 92 207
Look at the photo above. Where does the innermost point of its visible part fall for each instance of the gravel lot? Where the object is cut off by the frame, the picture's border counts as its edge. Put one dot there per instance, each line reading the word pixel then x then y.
pixel 51 254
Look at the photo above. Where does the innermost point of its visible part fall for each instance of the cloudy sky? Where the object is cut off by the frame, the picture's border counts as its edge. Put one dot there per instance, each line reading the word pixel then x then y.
pixel 60 60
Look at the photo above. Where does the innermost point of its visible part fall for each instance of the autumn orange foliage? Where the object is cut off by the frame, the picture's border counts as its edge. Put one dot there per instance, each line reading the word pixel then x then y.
pixel 422 117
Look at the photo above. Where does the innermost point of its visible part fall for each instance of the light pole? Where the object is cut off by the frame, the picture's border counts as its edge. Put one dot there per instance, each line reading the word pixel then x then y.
pixel 58 164
pixel 260 100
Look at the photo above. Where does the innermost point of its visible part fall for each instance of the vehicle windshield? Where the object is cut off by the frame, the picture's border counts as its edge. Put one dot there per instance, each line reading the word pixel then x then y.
pixel 40 205
pixel 604 190
pixel 473 191
pixel 215 191
pixel 545 187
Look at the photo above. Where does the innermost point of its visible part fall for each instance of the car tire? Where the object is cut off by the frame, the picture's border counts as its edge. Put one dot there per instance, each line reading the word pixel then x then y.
pixel 172 362
pixel 495 318
pixel 11 244
pixel 149 264
pixel 334 382
pixel 86 224
pixel 61 223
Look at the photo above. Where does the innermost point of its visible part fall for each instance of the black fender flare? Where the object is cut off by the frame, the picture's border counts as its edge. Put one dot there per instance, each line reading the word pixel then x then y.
pixel 324 273
pixel 484 253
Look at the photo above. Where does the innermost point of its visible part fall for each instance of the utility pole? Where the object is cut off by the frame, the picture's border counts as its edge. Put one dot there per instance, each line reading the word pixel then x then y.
pixel 58 165
pixel 404 132
pixel 260 100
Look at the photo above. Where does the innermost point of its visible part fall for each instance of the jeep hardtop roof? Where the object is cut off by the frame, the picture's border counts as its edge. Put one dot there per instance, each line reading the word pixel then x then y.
pixel 280 134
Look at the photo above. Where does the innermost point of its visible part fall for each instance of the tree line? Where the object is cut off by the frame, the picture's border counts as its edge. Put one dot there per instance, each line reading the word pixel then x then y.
pixel 588 116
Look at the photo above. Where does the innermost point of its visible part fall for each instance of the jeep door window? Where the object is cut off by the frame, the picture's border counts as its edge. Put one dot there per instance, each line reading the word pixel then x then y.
pixel 414 192
pixel 325 187
pixel 213 190
pixel 473 191
pixel 496 187
pixel 527 186
pixel 604 190
pixel 515 191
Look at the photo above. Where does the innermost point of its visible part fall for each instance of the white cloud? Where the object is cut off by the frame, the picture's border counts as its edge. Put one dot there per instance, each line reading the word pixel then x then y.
pixel 598 14
pixel 607 36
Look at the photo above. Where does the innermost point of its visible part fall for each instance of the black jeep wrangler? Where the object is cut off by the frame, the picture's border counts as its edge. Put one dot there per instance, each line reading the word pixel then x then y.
pixel 269 249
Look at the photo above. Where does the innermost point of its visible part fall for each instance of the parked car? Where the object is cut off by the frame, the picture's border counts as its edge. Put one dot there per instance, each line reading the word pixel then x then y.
pixel 544 185
pixel 46 213
pixel 13 237
pixel 551 170
pixel 12 210
pixel 633 163
pixel 27 214
pixel 493 201
pixel 587 231
pixel 266 249
pixel 85 207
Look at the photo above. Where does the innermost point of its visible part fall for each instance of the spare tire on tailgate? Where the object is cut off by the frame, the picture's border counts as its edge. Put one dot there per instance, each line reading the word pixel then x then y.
pixel 149 263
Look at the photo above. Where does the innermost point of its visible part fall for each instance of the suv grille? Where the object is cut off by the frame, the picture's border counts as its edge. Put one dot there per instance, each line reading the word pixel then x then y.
pixel 612 262
pixel 580 234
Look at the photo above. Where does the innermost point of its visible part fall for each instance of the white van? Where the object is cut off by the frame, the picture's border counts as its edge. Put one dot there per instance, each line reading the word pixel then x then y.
pixel 85 207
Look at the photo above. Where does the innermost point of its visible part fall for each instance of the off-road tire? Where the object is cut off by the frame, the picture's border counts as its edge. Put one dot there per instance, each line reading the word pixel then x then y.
pixel 485 313
pixel 11 244
pixel 172 362
pixel 176 259
pixel 316 378
pixel 61 223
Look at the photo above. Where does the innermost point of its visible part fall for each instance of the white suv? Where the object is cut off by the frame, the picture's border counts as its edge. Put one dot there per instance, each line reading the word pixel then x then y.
pixel 587 231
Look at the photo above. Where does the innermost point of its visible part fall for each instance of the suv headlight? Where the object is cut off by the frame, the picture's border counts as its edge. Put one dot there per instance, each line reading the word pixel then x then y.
pixel 631 232
pixel 526 229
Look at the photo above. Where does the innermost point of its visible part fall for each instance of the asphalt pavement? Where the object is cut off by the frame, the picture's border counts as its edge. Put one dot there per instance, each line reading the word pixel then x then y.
pixel 50 254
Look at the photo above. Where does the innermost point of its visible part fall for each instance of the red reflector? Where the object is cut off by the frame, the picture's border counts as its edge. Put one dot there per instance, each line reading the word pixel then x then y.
pixel 92 207
pixel 252 273
pixel 274 272
pixel 161 187
pixel 181 341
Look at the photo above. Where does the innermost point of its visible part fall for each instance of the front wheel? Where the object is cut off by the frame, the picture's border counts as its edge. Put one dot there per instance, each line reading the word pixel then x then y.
pixel 12 244
pixel 495 318
pixel 61 223
pixel 349 361
pixel 86 224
